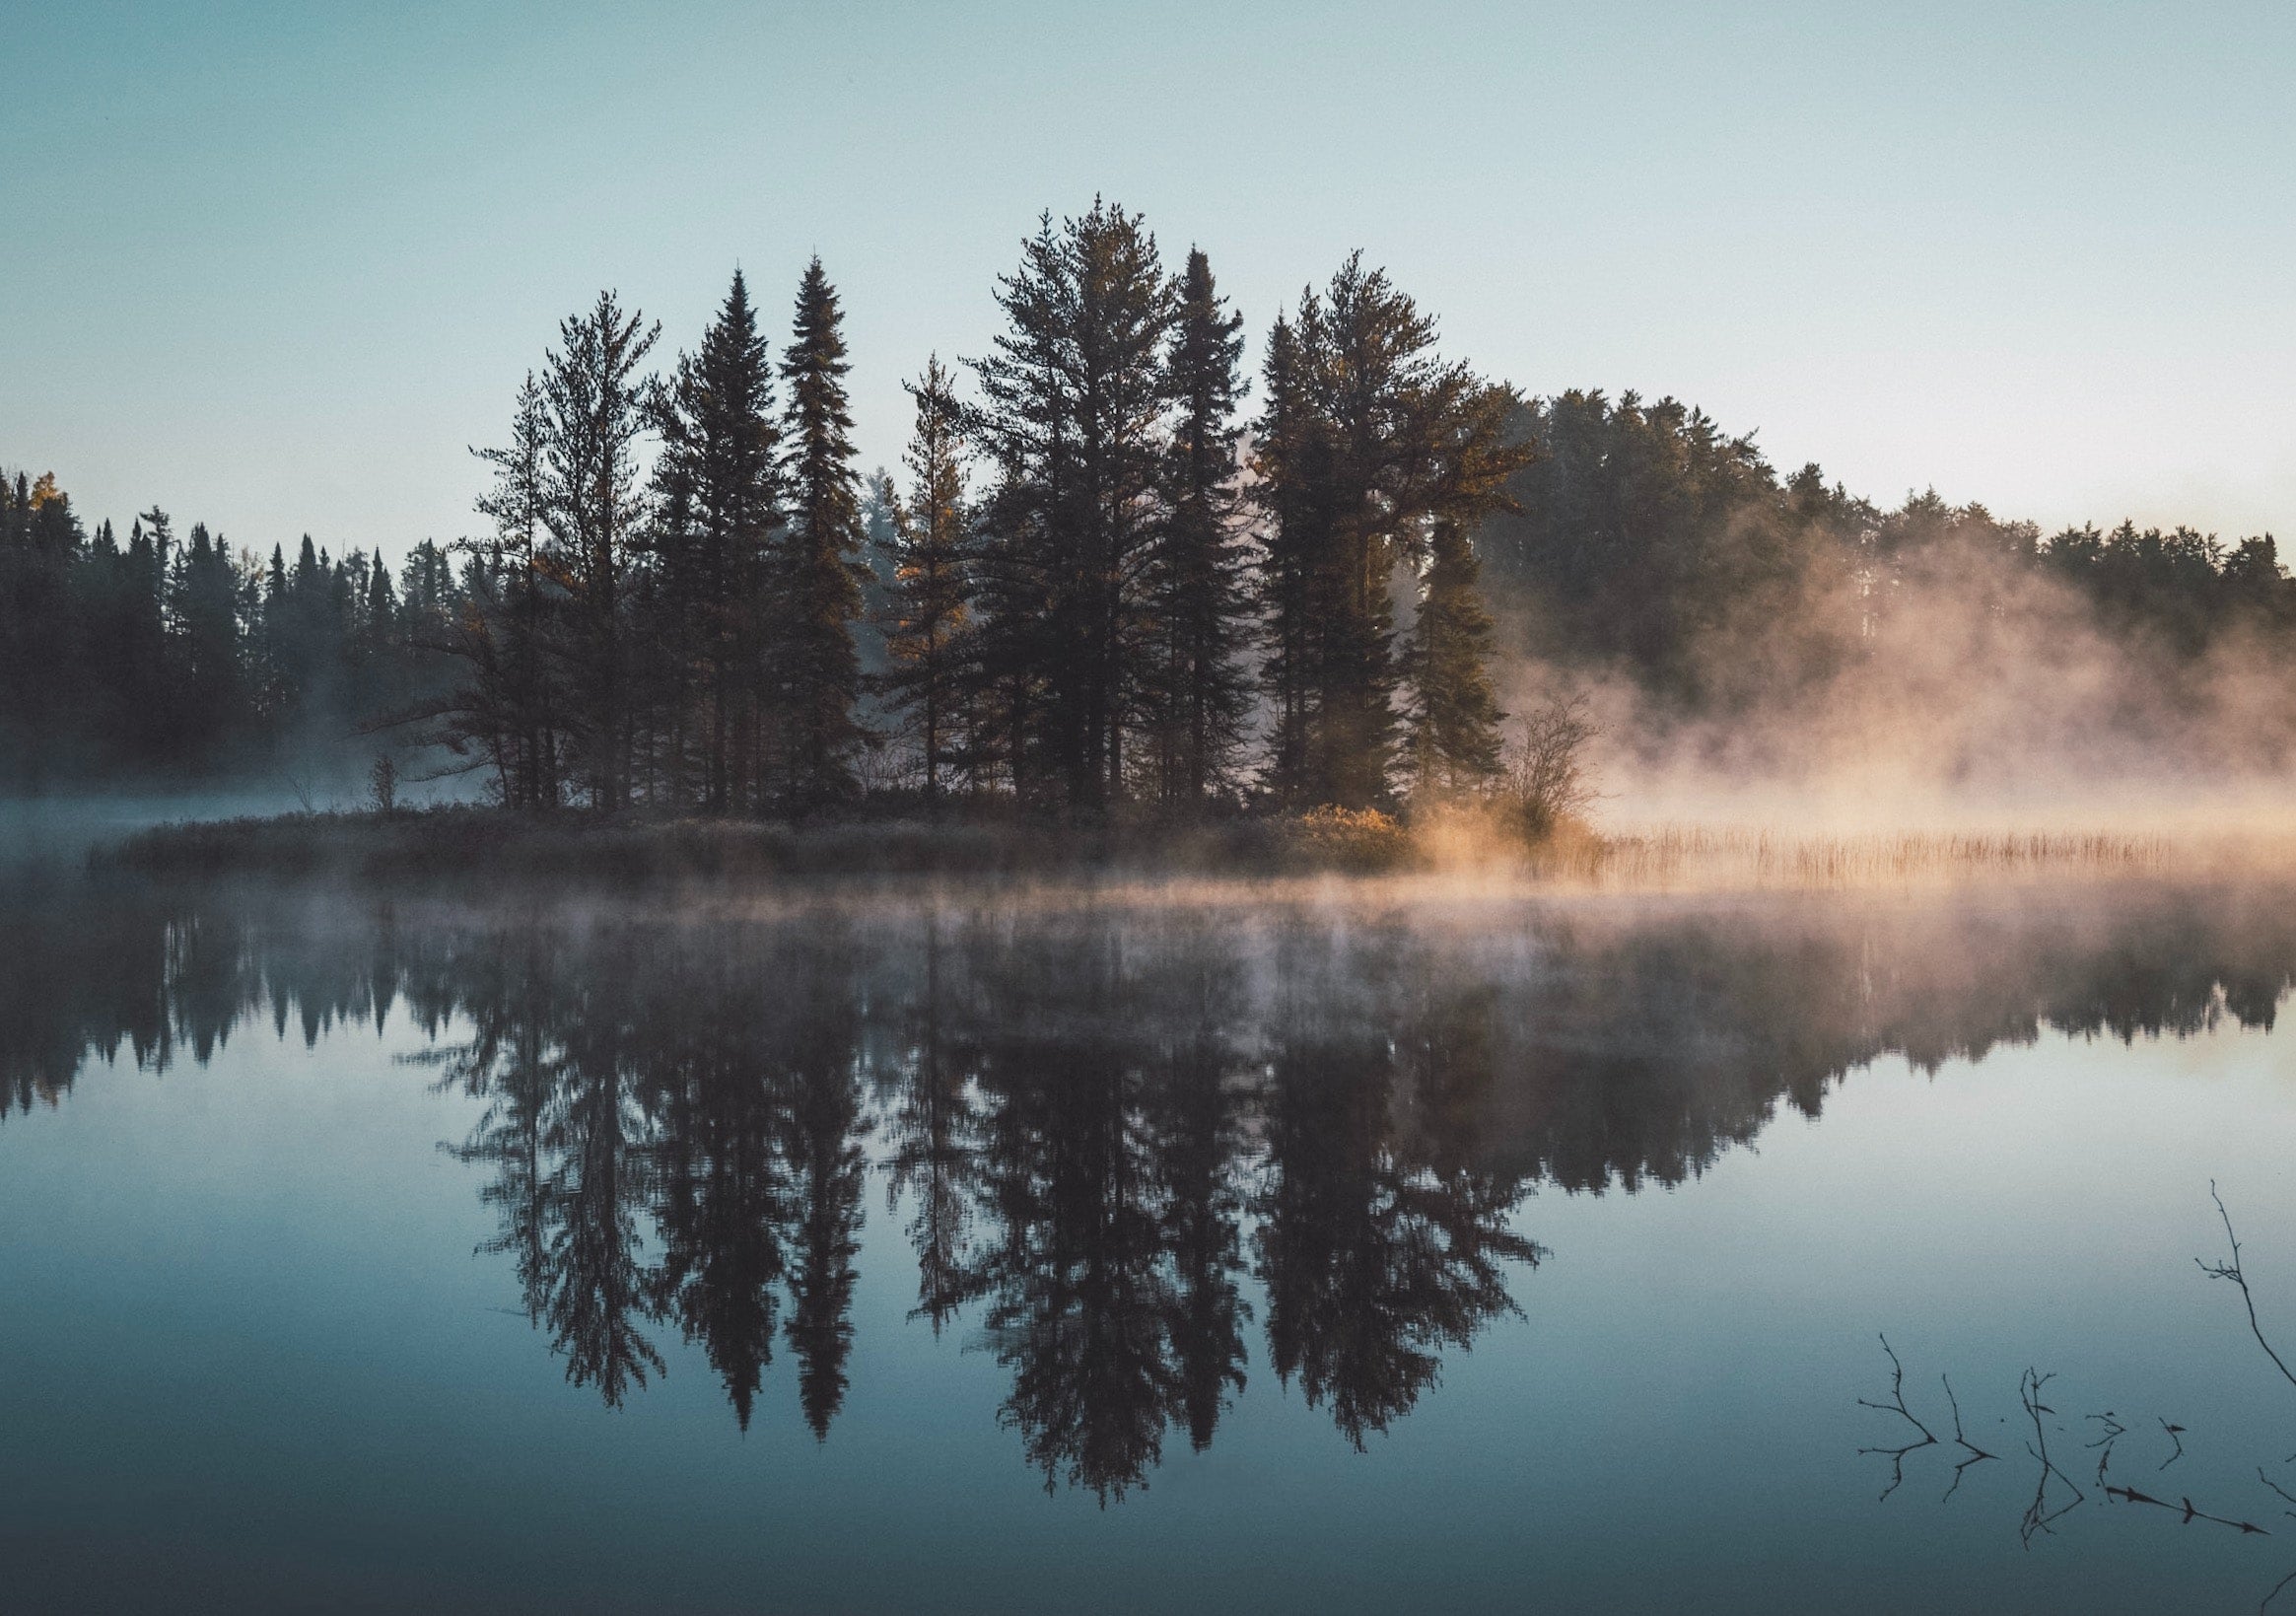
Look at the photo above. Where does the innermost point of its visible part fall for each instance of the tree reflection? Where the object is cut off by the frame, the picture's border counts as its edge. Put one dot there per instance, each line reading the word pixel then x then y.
pixel 1101 1127
pixel 1379 1245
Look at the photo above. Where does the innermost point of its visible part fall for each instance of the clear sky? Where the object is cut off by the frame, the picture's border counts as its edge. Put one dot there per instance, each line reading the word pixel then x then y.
pixel 275 266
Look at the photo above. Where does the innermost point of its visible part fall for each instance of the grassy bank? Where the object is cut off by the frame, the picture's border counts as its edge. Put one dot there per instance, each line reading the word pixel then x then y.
pixel 485 845
pixel 479 847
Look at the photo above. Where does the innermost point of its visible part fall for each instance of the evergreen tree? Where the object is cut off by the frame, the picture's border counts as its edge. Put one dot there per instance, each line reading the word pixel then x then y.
pixel 1289 450
pixel 595 407
pixel 1454 742
pixel 1075 404
pixel 41 708
pixel 144 709
pixel 719 485
pixel 208 685
pixel 1196 575
pixel 932 586
pixel 515 705
pixel 880 506
pixel 817 593
pixel 1372 442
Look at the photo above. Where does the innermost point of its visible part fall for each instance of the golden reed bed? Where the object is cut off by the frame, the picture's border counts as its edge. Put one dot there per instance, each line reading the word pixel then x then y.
pixel 1662 857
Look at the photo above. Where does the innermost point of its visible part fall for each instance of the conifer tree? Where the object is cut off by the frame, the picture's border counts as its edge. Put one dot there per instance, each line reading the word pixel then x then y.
pixel 595 407
pixel 514 704
pixel 207 687
pixel 1075 402
pixel 1372 442
pixel 42 710
pixel 1453 743
pixel 145 708
pixel 1285 456
pixel 719 485
pixel 1195 583
pixel 932 585
pixel 817 587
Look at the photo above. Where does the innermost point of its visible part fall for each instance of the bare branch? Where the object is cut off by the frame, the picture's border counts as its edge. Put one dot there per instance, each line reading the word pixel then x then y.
pixel 1897 1405
pixel 2185 1507
pixel 2114 1430
pixel 1977 1454
pixel 2232 1271
pixel 2037 1514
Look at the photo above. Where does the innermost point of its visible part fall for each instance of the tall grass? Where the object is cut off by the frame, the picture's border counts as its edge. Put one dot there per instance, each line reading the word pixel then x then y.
pixel 1678 855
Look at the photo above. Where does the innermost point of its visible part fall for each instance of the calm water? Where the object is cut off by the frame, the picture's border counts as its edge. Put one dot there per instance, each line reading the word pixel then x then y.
pixel 1144 1255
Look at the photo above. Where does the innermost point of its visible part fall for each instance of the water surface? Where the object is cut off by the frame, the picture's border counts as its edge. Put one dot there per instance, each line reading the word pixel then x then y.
pixel 1145 1253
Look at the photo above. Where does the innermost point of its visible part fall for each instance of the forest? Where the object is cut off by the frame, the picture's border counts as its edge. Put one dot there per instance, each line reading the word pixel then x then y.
pixel 1114 571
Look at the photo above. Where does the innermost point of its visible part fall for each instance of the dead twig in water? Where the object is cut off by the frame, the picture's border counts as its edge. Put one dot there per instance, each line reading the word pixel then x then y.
pixel 1977 1454
pixel 2275 1593
pixel 1897 1405
pixel 2114 1430
pixel 2285 1494
pixel 2232 1271
pixel 2185 1507
pixel 2177 1435
pixel 2037 1514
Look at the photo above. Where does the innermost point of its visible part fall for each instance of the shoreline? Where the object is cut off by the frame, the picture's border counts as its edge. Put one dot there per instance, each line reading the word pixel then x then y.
pixel 1461 854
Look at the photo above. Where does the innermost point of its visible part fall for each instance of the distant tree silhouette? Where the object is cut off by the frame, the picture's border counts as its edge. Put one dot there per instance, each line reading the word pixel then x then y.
pixel 817 583
pixel 1198 685
pixel 719 487
pixel 927 607
pixel 1084 600
pixel 596 406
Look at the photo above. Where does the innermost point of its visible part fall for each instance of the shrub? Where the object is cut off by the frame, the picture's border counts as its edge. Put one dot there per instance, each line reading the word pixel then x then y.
pixel 1545 780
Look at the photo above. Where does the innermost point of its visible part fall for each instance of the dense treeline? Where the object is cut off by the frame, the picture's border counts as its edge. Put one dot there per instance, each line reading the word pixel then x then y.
pixel 1070 593
pixel 1100 581
pixel 1641 539
pixel 691 600
pixel 171 656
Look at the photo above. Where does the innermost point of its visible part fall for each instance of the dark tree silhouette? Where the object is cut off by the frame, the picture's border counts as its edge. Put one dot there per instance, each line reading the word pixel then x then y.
pixel 818 581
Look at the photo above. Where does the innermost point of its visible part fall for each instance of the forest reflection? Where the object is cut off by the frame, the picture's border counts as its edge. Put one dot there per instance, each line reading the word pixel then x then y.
pixel 1123 1143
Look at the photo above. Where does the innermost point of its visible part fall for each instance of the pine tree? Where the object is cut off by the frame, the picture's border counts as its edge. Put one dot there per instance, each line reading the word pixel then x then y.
pixel 1372 442
pixel 1454 742
pixel 932 583
pixel 514 705
pixel 1196 582
pixel 1287 454
pixel 819 575
pixel 595 407
pixel 1074 406
pixel 207 685
pixel 718 481
pixel 145 709
pixel 41 717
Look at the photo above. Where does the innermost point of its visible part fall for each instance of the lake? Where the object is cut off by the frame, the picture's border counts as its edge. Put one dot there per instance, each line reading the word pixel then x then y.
pixel 1315 1249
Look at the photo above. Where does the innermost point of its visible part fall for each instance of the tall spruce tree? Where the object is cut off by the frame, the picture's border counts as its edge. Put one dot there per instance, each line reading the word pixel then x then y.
pixel 596 407
pixel 1453 744
pixel 819 576
pixel 1372 442
pixel 512 708
pixel 1074 406
pixel 932 586
pixel 1197 689
pixel 207 685
pixel 718 480
pixel 1288 451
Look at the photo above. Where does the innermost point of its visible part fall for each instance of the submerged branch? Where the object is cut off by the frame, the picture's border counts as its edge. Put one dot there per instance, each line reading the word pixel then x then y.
pixel 2232 1271
pixel 1897 1405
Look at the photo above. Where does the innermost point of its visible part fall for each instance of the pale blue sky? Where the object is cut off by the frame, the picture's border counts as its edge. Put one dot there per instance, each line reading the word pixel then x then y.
pixel 274 266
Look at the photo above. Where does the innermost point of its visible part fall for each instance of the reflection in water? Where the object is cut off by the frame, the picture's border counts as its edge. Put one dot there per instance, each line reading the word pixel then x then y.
pixel 1119 1139
pixel 2056 1493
